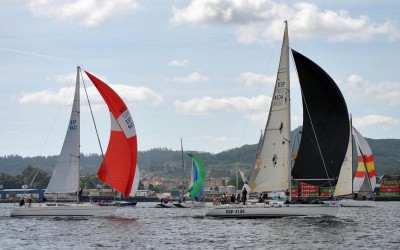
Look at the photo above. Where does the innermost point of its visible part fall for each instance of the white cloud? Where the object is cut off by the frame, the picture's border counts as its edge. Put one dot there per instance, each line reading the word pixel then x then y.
pixel 375 120
pixel 64 78
pixel 227 11
pixel 193 77
pixel 178 63
pixel 258 117
pixel 261 20
pixel 88 12
pixel 386 91
pixel 64 96
pixel 208 104
pixel 252 79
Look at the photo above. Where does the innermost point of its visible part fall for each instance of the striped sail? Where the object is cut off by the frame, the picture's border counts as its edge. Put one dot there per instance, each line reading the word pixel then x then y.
pixel 271 171
pixel 118 168
pixel 361 184
pixel 65 177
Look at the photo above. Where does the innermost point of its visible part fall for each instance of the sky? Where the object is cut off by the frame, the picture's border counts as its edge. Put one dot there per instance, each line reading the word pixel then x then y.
pixel 200 70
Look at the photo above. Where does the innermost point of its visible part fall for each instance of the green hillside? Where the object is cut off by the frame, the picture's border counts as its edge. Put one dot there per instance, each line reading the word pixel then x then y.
pixel 166 162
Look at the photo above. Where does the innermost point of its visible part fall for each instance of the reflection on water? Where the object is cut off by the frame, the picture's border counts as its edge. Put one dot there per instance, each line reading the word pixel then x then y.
pixel 147 227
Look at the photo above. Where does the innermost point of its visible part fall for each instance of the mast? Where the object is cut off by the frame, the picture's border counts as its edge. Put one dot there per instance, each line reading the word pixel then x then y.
pixel 78 84
pixel 289 124
pixel 183 170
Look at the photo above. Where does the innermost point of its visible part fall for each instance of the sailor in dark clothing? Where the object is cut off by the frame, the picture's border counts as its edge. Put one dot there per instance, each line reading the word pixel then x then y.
pixel 244 196
pixel 22 202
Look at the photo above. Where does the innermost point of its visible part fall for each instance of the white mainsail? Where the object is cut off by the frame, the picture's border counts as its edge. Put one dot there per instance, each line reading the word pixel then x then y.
pixel 65 178
pixel 344 185
pixel 271 172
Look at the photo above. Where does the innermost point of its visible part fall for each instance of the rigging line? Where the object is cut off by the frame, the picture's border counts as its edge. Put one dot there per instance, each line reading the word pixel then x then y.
pixel 366 170
pixel 312 125
pixel 259 90
pixel 97 133
pixel 51 127
pixel 35 54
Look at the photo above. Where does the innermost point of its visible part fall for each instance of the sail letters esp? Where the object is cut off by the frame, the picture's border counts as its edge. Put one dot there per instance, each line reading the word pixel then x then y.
pixel 279 94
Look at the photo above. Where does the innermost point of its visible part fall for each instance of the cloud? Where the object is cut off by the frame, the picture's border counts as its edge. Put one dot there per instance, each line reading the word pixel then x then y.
pixel 88 12
pixel 64 96
pixel 375 120
pixel 208 104
pixel 193 77
pixel 386 91
pixel 252 79
pixel 261 20
pixel 178 63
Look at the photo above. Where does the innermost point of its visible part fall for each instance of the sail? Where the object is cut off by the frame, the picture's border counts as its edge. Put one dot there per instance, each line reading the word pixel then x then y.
pixel 199 174
pixel 271 171
pixel 365 161
pixel 65 178
pixel 344 184
pixel 135 184
pixel 325 133
pixel 118 168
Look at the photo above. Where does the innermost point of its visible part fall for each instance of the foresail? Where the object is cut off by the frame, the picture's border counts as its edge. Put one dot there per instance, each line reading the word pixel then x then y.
pixel 118 168
pixel 65 178
pixel 365 161
pixel 271 172
pixel 325 133
pixel 200 173
pixel 344 185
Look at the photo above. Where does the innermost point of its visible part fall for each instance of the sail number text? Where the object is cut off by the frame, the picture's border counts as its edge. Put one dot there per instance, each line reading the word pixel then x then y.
pixel 279 94
pixel 235 211
pixel 73 125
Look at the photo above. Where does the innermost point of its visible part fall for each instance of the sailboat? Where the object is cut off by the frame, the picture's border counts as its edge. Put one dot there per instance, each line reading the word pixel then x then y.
pixel 322 148
pixel 196 190
pixel 118 168
pixel 363 185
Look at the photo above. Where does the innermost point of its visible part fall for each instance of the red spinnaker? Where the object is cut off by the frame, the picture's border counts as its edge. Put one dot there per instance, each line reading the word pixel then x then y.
pixel 121 156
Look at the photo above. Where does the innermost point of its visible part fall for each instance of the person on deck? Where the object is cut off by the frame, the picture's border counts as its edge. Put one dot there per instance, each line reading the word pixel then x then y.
pixel 233 198
pixel 44 199
pixel 244 196
pixel 22 202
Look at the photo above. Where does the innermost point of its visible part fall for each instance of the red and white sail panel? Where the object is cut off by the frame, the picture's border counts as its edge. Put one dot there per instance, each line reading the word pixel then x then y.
pixel 118 168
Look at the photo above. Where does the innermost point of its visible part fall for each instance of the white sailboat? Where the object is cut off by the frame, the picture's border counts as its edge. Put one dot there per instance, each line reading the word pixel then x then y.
pixel 363 185
pixel 118 168
pixel 322 149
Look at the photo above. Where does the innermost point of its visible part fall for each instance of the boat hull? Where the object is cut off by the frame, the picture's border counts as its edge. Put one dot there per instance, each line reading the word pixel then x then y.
pixel 273 211
pixel 190 204
pixel 63 210
pixel 357 203
pixel 164 205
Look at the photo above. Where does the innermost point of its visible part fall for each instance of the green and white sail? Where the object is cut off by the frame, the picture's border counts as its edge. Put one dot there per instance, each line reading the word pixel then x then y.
pixel 197 178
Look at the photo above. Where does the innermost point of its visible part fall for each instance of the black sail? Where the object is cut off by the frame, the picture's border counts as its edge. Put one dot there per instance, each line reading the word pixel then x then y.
pixel 326 126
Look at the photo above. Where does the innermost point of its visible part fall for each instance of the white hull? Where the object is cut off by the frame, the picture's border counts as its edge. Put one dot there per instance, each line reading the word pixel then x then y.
pixel 62 210
pixel 357 203
pixel 190 204
pixel 271 211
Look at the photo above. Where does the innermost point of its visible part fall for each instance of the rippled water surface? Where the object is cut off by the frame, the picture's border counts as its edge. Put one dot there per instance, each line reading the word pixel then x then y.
pixel 147 227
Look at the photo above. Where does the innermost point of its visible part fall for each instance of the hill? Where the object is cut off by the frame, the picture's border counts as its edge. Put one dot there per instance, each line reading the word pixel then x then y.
pixel 166 162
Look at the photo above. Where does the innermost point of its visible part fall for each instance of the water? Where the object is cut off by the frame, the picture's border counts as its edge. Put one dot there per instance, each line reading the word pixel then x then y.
pixel 147 227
